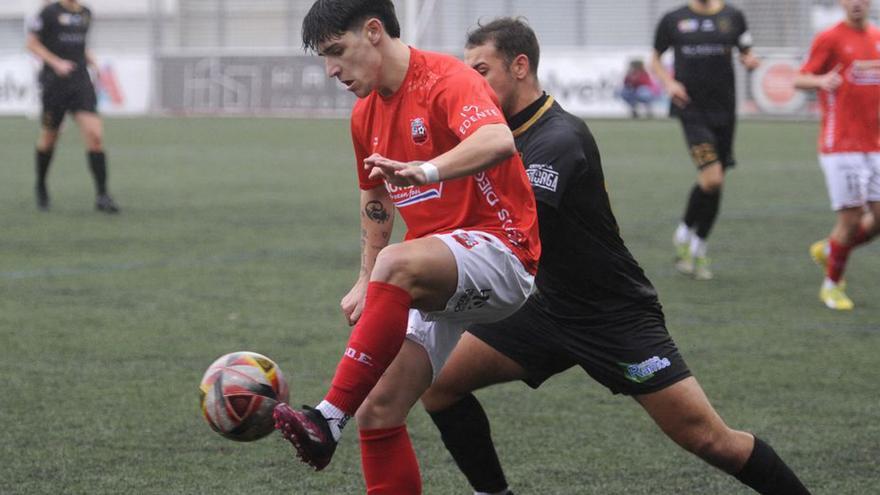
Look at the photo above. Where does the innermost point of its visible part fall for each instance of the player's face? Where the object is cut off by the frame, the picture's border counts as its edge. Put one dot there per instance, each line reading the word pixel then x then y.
pixel 856 10
pixel 353 60
pixel 486 60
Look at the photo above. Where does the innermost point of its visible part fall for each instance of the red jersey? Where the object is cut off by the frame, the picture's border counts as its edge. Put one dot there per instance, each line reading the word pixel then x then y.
pixel 441 102
pixel 850 120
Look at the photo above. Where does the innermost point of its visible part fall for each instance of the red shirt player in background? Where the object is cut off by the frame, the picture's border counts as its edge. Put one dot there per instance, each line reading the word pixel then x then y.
pixel 844 66
pixel 430 141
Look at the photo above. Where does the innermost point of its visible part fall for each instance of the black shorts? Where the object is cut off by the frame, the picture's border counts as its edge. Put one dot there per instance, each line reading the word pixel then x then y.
pixel 632 355
pixel 709 139
pixel 61 95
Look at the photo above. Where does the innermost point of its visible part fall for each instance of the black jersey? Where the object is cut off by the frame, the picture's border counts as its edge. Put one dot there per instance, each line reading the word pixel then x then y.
pixel 585 271
pixel 703 47
pixel 63 32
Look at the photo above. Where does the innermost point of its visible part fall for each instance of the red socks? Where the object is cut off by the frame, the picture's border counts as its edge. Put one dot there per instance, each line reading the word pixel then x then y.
pixel 837 260
pixel 840 253
pixel 389 462
pixel 374 343
pixel 861 237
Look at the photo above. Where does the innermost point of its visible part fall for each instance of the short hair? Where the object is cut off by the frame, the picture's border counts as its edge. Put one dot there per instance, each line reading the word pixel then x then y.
pixel 512 37
pixel 331 18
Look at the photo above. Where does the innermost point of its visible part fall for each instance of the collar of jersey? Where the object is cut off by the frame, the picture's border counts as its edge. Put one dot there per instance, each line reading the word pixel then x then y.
pixel 534 118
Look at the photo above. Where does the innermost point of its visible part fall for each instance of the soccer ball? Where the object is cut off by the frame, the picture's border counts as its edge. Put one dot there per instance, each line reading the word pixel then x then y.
pixel 239 392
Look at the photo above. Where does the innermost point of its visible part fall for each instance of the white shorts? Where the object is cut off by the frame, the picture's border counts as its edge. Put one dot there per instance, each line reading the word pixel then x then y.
pixel 853 179
pixel 492 285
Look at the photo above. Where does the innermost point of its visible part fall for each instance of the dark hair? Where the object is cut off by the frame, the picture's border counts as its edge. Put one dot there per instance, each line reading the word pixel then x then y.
pixel 512 37
pixel 331 18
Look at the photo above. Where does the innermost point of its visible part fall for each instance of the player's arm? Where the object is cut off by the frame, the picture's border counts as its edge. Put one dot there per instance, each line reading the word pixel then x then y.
pixel 482 149
pixel 829 81
pixel 61 66
pixel 91 61
pixel 744 44
pixel 377 222
pixel 663 40
pixel 676 90
pixel 814 74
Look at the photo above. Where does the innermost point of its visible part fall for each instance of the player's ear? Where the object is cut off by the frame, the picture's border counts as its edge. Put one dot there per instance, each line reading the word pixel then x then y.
pixel 520 66
pixel 373 29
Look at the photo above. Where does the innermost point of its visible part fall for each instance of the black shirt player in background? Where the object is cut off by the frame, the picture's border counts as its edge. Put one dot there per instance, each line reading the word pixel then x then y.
pixel 593 308
pixel 703 34
pixel 58 37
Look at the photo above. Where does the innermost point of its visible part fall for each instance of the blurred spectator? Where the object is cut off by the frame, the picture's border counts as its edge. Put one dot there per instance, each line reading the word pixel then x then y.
pixel 638 88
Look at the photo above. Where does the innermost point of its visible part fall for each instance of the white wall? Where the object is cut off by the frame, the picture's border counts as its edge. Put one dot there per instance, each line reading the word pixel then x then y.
pixel 19 8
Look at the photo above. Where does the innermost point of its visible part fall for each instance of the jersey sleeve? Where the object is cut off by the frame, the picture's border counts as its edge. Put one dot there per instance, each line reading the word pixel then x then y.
pixel 821 56
pixel 466 102
pixel 38 23
pixel 553 164
pixel 663 35
pixel 361 152
pixel 744 41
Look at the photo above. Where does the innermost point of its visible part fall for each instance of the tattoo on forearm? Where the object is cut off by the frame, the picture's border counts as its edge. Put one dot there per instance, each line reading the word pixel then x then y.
pixel 376 212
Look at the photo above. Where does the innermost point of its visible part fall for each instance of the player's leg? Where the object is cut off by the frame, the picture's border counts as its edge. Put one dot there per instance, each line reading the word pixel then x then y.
pixel 91 128
pixel 870 224
pixel 458 415
pixel 461 278
pixel 703 202
pixel 388 461
pixel 50 129
pixel 711 182
pixel 847 176
pixel 383 441
pixel 684 413
pixel 420 273
pixel 45 148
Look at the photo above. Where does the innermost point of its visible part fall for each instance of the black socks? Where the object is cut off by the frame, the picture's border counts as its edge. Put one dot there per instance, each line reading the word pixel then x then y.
pixel 702 211
pixel 98 166
pixel 766 473
pixel 465 431
pixel 42 160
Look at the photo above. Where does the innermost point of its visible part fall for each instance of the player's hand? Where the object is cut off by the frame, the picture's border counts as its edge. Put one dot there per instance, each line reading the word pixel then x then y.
pixel 832 80
pixel 396 173
pixel 678 94
pixel 750 61
pixel 63 67
pixel 353 302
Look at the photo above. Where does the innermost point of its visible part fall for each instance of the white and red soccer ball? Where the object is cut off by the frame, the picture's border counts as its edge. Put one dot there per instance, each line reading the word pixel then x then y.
pixel 239 392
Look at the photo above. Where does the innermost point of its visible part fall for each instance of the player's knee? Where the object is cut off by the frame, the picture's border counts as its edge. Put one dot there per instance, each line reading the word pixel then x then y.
pixel 94 141
pixel 395 265
pixel 712 447
pixel 47 140
pixel 711 183
pixel 380 410
pixel 848 222
pixel 441 396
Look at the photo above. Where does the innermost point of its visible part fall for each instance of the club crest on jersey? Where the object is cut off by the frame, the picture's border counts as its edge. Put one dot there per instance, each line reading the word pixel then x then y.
pixel 66 19
pixel 688 25
pixel 419 130
pixel 543 176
